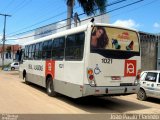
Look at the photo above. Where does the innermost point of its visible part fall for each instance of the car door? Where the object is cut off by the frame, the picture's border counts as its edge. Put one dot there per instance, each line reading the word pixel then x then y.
pixel 157 87
pixel 16 65
pixel 150 83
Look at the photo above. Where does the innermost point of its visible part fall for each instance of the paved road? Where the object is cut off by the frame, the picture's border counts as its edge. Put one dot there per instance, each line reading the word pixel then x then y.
pixel 17 97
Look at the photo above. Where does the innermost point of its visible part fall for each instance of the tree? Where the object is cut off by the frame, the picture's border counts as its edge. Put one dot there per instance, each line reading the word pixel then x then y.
pixel 88 7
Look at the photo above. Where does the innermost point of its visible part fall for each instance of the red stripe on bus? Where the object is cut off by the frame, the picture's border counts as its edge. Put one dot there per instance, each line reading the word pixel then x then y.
pixel 50 68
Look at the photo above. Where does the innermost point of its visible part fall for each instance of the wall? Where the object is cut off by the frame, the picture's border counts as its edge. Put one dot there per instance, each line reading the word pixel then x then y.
pixel 149 51
pixel 149 55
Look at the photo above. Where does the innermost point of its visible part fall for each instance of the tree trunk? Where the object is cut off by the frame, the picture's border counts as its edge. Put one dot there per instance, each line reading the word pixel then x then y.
pixel 69 15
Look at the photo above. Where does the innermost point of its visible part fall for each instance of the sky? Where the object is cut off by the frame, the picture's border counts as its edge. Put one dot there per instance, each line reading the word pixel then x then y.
pixel 30 14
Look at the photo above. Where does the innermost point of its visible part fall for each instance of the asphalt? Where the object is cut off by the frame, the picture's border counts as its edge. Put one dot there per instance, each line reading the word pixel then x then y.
pixel 19 98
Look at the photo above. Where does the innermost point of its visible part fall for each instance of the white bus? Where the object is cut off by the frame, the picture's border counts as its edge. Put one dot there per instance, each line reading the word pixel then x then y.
pixel 93 59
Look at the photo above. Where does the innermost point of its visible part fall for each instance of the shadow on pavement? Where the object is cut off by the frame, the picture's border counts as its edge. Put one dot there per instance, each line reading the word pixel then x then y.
pixel 93 104
pixel 15 72
pixel 37 87
pixel 153 100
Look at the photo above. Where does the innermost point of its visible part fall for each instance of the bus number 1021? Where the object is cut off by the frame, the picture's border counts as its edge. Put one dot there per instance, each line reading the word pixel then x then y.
pixel 107 60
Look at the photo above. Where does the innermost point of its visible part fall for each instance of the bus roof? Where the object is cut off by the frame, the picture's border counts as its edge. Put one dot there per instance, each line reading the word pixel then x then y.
pixel 59 34
pixel 111 25
pixel 74 30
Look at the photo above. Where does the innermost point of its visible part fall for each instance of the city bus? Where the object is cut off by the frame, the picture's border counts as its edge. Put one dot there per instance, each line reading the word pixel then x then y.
pixel 94 59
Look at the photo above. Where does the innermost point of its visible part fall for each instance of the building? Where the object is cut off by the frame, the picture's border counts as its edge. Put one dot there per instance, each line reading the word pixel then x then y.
pixel 58 27
pixel 9 53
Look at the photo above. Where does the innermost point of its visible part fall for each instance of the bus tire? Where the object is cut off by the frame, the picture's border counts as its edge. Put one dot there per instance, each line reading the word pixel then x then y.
pixel 25 77
pixel 141 95
pixel 50 87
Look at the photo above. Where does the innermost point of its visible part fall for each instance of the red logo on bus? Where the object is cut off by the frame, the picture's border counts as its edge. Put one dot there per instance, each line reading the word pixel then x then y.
pixel 130 68
pixel 50 68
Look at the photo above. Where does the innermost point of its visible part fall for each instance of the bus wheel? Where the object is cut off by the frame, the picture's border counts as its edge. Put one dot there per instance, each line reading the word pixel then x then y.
pixel 141 95
pixel 25 77
pixel 50 87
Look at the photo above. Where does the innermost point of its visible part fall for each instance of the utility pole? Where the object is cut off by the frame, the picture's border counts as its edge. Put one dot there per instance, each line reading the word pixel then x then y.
pixel 4 36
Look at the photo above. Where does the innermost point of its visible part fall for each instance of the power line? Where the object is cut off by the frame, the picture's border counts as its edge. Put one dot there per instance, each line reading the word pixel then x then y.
pixel 86 19
pixel 8 5
pixel 24 5
pixel 113 3
pixel 20 5
pixel 137 7
pixel 72 23
pixel 59 14
pixel 37 24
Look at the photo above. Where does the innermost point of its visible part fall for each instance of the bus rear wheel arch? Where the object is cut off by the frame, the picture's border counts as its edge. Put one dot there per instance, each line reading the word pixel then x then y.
pixel 25 76
pixel 50 87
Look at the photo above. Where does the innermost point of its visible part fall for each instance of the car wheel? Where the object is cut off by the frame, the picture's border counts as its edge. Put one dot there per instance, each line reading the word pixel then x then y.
pixel 50 87
pixel 141 95
pixel 12 68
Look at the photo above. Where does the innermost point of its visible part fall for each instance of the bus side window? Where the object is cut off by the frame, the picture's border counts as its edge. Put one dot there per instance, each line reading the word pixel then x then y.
pixel 58 48
pixel 36 51
pixel 74 47
pixel 49 48
pixel 80 42
pixel 40 51
pixel 32 52
pixel 29 52
pixel 26 53
pixel 46 49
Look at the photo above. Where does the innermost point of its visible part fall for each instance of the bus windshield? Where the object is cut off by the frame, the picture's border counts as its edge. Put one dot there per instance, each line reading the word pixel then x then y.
pixel 110 40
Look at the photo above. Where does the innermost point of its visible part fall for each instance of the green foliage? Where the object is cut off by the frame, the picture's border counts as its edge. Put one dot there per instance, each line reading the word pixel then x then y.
pixel 89 6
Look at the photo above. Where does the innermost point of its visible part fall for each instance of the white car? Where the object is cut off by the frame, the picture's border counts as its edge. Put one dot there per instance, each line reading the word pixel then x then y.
pixel 14 66
pixel 149 85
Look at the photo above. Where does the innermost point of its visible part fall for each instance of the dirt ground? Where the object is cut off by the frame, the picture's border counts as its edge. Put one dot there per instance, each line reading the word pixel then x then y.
pixel 18 98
